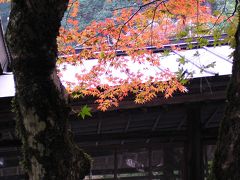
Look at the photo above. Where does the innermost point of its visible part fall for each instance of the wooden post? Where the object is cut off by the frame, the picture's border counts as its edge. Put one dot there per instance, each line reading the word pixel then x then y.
pixel 186 161
pixel 194 147
pixel 150 175
pixel 115 164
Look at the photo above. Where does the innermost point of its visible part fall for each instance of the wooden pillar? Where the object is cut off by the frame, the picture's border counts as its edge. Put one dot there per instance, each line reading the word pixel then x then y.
pixel 115 164
pixel 186 159
pixel 150 175
pixel 193 151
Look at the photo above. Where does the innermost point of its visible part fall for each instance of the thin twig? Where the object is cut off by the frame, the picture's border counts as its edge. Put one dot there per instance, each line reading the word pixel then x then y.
pixel 153 18
pixel 132 16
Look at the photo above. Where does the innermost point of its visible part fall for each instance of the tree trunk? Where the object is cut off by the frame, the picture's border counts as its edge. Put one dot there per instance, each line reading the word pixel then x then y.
pixel 42 111
pixel 226 164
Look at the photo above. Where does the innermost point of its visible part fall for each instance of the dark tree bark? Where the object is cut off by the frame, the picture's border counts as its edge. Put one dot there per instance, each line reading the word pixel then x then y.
pixel 42 111
pixel 226 164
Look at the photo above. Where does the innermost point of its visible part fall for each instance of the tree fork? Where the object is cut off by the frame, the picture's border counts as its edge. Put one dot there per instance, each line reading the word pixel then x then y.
pixel 49 152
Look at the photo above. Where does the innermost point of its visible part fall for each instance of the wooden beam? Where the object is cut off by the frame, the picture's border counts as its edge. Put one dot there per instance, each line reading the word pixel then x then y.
pixel 130 135
pixel 127 126
pixel 155 124
pixel 99 126
pixel 178 128
pixel 212 115
pixel 181 123
pixel 176 99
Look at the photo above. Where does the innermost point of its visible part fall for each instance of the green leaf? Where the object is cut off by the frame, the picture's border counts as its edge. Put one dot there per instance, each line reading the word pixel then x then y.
pixel 197 54
pixel 77 94
pixel 184 81
pixel 211 65
pixel 166 52
pixel 202 29
pixel 216 36
pixel 181 60
pixel 182 34
pixel 183 75
pixel 180 74
pixel 216 13
pixel 102 54
pixel 230 29
pixel 202 41
pixel 189 42
pixel 85 111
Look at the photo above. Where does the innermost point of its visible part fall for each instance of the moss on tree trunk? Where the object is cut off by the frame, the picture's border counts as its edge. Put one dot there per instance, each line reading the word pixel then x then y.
pixel 226 164
pixel 42 111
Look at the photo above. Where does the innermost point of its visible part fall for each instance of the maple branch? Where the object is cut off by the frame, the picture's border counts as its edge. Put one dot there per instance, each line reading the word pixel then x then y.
pixel 151 23
pixel 144 28
pixel 153 18
pixel 223 10
pixel 124 24
pixel 134 14
pixel 235 9
pixel 116 25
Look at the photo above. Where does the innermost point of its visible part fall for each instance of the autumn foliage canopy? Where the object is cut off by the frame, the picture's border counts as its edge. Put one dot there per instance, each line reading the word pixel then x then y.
pixel 133 32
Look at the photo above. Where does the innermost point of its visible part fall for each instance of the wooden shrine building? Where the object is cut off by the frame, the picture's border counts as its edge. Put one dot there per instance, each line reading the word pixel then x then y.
pixel 165 139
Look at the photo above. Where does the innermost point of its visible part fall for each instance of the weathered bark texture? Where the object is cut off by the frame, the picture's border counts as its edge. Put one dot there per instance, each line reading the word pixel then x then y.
pixel 227 156
pixel 48 150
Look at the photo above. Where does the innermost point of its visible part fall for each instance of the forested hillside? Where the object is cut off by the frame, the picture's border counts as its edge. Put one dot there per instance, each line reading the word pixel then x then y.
pixel 89 10
pixel 98 10
pixel 4 12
